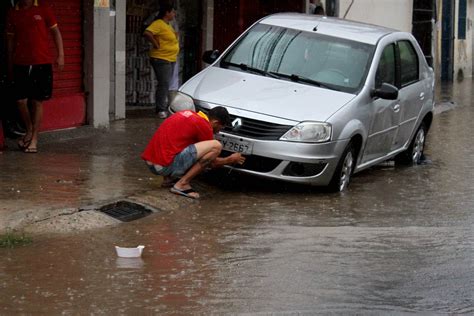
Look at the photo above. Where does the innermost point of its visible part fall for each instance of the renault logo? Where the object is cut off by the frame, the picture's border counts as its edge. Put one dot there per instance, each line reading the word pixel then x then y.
pixel 237 123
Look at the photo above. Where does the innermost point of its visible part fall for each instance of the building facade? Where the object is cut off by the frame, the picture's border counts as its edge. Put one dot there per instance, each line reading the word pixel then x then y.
pixel 444 28
pixel 107 66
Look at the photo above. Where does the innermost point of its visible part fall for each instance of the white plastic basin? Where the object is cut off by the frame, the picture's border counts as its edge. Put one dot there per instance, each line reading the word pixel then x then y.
pixel 129 252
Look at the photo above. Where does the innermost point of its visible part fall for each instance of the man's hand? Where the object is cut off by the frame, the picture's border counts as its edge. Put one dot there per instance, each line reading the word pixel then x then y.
pixel 60 62
pixel 237 158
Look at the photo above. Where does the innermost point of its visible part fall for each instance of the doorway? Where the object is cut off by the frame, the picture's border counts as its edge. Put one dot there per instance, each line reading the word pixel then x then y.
pixel 424 16
pixel 233 17
pixel 447 41
pixel 140 78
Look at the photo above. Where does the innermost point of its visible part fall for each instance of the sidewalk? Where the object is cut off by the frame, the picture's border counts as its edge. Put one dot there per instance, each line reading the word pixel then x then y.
pixel 78 169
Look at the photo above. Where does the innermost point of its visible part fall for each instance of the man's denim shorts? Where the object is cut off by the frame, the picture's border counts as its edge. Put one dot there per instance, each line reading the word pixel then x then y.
pixel 180 165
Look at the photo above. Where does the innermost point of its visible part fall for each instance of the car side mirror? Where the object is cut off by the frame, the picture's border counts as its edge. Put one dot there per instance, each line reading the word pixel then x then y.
pixel 210 56
pixel 386 91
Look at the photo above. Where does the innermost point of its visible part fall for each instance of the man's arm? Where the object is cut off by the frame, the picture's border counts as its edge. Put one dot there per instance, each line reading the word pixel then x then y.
pixel 235 158
pixel 149 36
pixel 58 40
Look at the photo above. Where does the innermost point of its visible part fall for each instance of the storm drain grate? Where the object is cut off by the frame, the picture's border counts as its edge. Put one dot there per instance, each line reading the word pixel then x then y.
pixel 125 211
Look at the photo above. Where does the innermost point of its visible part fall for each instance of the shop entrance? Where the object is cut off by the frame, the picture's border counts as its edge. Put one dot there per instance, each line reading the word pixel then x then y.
pixel 232 17
pixel 67 107
pixel 140 80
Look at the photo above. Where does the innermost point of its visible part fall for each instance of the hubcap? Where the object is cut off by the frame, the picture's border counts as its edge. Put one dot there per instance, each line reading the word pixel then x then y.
pixel 346 171
pixel 418 146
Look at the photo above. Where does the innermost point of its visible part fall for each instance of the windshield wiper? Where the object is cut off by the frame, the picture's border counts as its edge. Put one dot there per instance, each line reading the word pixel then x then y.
pixel 245 67
pixel 298 78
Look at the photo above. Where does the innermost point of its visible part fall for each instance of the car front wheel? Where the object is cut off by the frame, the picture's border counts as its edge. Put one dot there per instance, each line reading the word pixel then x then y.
pixel 344 170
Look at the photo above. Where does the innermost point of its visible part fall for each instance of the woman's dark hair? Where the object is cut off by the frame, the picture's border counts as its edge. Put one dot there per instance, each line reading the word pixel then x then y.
pixel 164 8
pixel 319 10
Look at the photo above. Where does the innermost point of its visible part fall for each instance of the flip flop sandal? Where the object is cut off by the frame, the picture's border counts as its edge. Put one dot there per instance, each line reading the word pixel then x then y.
pixel 23 144
pixel 30 150
pixel 185 193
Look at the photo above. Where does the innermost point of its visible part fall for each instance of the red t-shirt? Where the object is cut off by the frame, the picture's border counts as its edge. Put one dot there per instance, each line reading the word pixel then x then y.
pixel 30 28
pixel 176 133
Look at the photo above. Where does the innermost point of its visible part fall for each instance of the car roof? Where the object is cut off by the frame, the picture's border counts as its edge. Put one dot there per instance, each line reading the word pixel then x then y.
pixel 360 32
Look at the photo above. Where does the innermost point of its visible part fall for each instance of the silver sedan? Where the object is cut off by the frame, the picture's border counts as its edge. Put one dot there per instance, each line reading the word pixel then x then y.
pixel 314 99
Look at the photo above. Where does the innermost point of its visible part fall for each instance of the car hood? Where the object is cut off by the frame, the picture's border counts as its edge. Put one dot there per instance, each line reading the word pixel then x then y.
pixel 265 95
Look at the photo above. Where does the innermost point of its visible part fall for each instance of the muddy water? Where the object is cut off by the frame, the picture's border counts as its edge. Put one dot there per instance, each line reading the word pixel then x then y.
pixel 400 240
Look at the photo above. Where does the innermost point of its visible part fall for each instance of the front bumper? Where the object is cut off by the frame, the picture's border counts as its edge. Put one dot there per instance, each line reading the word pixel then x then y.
pixel 305 163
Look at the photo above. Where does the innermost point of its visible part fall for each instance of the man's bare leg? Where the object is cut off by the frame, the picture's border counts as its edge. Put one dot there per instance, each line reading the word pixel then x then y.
pixel 26 118
pixel 207 151
pixel 36 124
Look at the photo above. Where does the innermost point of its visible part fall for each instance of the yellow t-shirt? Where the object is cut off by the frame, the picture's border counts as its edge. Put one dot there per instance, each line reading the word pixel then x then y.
pixel 166 38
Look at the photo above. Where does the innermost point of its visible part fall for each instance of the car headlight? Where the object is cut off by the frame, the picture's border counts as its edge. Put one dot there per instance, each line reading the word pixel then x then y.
pixel 182 102
pixel 309 132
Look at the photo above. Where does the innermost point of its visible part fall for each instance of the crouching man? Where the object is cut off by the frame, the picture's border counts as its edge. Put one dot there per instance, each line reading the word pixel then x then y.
pixel 184 146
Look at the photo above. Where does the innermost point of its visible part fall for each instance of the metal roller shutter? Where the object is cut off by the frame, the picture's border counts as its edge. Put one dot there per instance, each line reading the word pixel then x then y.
pixel 67 107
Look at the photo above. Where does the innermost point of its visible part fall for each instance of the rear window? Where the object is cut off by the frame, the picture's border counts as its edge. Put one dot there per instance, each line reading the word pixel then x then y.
pixel 335 62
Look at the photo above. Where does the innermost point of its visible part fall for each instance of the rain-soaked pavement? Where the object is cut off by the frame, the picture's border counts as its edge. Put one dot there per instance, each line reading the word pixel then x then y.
pixel 400 240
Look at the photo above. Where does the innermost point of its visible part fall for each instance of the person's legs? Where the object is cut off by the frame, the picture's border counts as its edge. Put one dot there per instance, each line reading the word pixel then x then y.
pixel 36 119
pixel 206 151
pixel 9 112
pixel 21 90
pixel 168 180
pixel 41 81
pixel 174 82
pixel 162 70
pixel 26 118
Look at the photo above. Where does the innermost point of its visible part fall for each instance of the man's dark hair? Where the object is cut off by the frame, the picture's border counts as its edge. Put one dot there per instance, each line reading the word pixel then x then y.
pixel 220 113
pixel 164 8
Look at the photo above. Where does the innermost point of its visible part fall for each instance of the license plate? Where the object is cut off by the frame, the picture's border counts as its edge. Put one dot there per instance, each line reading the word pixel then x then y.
pixel 235 144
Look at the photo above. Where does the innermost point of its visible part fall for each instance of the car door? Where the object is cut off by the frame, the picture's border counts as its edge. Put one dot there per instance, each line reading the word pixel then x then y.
pixel 385 114
pixel 412 92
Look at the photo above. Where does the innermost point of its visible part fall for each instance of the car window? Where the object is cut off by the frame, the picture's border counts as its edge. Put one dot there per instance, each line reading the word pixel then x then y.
pixel 386 68
pixel 408 63
pixel 331 61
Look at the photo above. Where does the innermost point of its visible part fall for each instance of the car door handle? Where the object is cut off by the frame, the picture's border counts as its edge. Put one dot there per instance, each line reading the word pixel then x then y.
pixel 396 108
pixel 422 96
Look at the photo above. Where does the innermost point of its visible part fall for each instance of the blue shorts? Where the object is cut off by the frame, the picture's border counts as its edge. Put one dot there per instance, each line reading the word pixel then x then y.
pixel 180 165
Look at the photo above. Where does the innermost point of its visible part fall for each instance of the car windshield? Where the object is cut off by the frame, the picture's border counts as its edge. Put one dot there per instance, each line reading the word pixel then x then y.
pixel 305 57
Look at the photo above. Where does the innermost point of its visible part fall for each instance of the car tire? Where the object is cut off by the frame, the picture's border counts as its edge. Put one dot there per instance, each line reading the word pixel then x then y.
pixel 344 170
pixel 414 153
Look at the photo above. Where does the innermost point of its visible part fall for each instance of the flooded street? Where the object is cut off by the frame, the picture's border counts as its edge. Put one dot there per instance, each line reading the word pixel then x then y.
pixel 400 240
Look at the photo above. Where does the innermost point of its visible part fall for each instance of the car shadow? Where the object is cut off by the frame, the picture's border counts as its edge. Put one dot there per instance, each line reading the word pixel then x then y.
pixel 232 181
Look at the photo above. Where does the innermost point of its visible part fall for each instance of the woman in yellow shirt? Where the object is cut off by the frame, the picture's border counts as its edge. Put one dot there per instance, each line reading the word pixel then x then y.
pixel 163 54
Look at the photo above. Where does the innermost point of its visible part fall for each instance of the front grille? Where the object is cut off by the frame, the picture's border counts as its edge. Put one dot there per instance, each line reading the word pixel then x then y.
pixel 254 128
pixel 255 163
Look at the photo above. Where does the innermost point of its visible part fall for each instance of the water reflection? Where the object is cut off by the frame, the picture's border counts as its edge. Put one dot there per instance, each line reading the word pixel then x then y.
pixel 130 263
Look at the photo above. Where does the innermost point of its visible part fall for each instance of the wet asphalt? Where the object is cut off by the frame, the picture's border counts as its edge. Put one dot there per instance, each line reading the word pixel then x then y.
pixel 399 241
